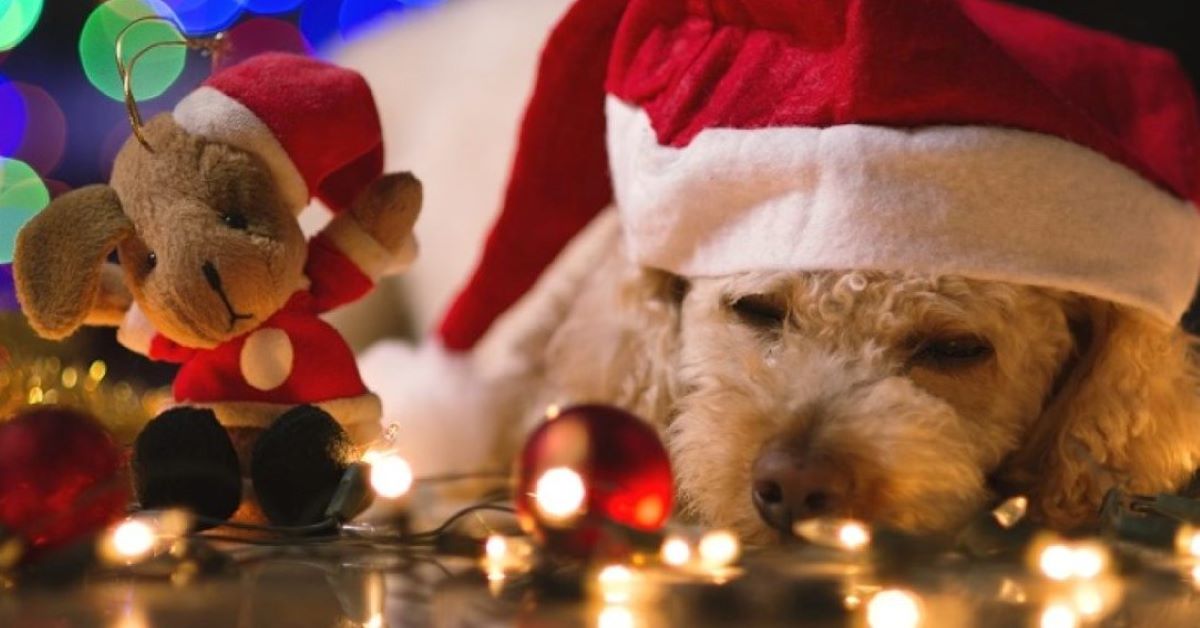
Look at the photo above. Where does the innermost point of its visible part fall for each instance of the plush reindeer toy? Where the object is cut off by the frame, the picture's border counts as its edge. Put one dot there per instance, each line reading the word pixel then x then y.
pixel 216 275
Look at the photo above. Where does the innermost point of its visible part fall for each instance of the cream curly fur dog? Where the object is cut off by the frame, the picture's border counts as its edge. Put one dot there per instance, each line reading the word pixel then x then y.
pixel 909 400
pixel 951 137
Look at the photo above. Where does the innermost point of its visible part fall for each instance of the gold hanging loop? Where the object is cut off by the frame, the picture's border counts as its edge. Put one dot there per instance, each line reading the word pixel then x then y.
pixel 213 45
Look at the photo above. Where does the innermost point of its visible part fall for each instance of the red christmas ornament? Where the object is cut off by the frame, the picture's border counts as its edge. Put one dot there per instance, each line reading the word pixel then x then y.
pixel 61 477
pixel 587 466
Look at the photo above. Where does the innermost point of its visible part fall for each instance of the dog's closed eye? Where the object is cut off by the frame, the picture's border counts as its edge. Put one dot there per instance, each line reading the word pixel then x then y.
pixel 950 353
pixel 762 311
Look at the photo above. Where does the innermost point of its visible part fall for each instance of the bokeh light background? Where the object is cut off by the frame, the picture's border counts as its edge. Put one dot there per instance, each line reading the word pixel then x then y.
pixel 61 117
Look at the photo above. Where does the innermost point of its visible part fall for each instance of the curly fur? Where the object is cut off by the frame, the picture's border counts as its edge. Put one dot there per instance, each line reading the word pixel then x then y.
pixel 1078 395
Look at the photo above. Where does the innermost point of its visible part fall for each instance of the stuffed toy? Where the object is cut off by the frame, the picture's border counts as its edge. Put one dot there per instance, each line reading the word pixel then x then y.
pixel 216 275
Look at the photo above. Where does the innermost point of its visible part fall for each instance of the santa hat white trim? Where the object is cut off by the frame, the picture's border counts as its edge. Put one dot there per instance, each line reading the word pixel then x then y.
pixel 209 113
pixel 984 202
pixel 371 257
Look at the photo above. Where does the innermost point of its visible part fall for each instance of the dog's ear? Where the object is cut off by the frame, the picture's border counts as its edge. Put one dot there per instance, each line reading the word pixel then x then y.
pixel 59 258
pixel 1125 415
pixel 619 340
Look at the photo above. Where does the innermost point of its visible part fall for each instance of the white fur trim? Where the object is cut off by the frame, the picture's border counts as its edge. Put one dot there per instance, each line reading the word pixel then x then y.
pixel 267 358
pixel 136 332
pixel 365 251
pixel 209 113
pixel 358 415
pixel 445 419
pixel 983 202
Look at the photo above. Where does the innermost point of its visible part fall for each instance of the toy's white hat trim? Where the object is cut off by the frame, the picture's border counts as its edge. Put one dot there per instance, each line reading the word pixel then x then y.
pixel 210 113
pixel 984 202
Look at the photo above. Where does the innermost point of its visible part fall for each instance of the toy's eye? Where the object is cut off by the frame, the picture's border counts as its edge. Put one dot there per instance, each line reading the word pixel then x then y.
pixel 151 261
pixel 234 220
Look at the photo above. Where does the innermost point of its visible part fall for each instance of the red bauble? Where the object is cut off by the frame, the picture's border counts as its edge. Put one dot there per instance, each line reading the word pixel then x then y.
pixel 61 477
pixel 589 466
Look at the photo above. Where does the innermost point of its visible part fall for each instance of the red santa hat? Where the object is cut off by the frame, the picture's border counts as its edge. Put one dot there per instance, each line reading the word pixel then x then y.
pixel 964 137
pixel 313 124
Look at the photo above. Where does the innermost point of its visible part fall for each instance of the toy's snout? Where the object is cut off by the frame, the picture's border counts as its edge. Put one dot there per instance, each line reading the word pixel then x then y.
pixel 213 277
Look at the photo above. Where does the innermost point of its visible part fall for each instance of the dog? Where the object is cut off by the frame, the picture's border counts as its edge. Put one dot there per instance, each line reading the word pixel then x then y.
pixel 908 400
pixel 847 272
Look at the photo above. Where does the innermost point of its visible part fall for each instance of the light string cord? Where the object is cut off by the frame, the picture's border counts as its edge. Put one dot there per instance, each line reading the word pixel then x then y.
pixel 417 539
pixel 495 504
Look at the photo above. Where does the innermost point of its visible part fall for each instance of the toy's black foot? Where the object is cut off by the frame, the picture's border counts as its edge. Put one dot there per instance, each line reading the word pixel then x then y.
pixel 297 464
pixel 185 458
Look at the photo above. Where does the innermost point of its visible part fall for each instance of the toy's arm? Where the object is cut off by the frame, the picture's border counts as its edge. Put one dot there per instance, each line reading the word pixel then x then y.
pixel 374 238
pixel 138 335
pixel 112 299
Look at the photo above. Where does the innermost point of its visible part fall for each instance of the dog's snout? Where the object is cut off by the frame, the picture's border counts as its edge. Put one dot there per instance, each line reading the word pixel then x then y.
pixel 211 276
pixel 788 487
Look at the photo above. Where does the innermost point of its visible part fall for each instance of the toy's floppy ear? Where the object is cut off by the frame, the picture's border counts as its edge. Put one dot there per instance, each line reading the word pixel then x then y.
pixel 59 256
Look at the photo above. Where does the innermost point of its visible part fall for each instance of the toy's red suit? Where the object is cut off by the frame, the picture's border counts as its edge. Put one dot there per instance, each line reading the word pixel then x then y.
pixel 292 358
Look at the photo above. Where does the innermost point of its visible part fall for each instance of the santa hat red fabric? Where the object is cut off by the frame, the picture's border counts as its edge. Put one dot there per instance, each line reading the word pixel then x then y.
pixel 948 136
pixel 314 124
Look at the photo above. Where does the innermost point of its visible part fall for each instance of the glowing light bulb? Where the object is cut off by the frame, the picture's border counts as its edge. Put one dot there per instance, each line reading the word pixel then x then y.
pixel 846 534
pixel 1060 561
pixel 559 494
pixel 718 549
pixel 375 621
pixel 133 539
pixel 502 555
pixel 1088 561
pixel 1187 541
pixel 1055 562
pixel 676 551
pixel 496 547
pixel 616 584
pixel 1088 601
pixel 615 617
pixel 1011 511
pixel 495 557
pixel 391 476
pixel 1011 591
pixel 893 608
pixel 854 535
pixel 1059 616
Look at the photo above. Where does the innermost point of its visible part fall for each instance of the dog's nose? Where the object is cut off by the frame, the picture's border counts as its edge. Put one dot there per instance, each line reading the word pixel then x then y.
pixel 787 487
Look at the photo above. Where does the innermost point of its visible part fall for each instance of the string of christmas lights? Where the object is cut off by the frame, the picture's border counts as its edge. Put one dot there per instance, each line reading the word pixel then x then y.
pixel 625 568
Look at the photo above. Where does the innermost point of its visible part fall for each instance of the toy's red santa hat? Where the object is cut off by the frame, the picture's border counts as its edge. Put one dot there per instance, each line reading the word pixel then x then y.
pixel 946 136
pixel 312 123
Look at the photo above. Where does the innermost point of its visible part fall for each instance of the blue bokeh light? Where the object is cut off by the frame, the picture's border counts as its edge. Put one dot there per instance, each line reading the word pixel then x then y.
pixel 8 290
pixel 319 22
pixel 356 14
pixel 13 118
pixel 270 6
pixel 205 16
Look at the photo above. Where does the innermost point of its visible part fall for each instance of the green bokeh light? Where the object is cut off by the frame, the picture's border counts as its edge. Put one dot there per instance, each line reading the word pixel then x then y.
pixel 22 195
pixel 17 18
pixel 154 72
